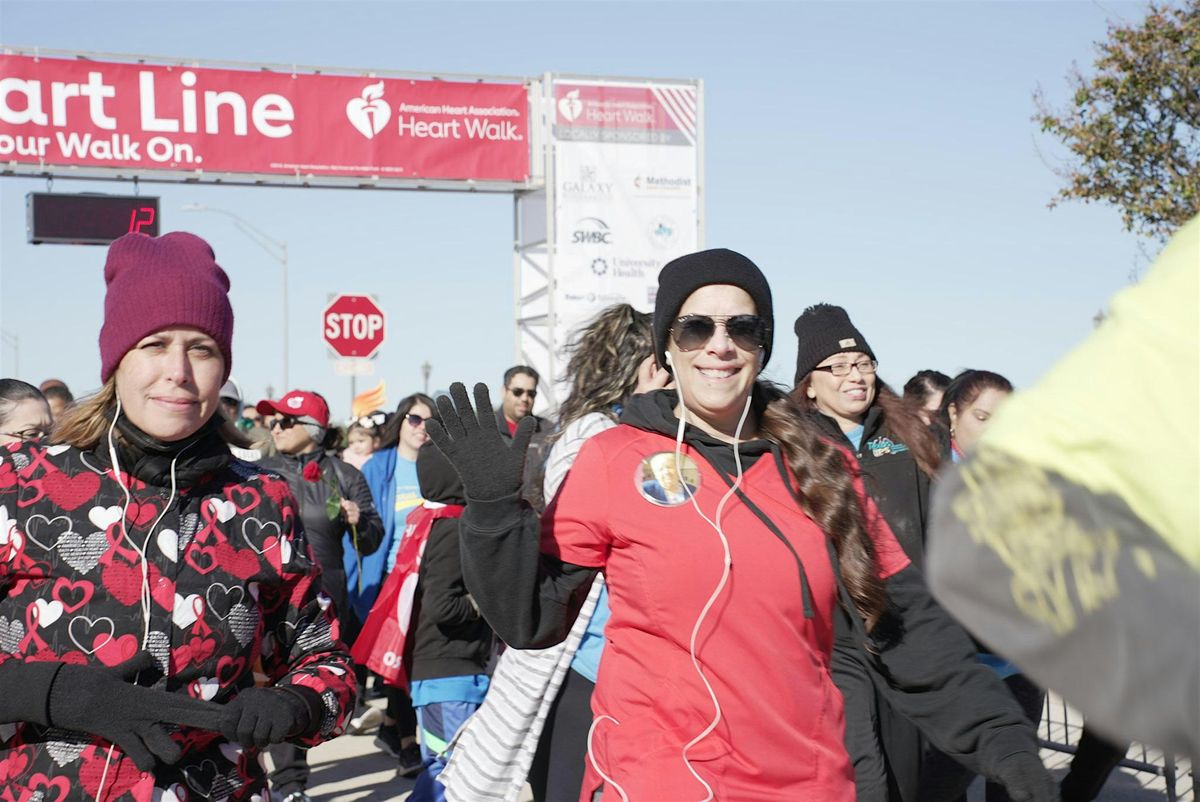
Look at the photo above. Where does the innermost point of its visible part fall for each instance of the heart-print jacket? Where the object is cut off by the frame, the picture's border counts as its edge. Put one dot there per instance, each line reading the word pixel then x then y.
pixel 233 591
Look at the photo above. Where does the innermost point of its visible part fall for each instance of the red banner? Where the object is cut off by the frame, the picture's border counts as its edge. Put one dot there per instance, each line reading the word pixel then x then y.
pixel 144 117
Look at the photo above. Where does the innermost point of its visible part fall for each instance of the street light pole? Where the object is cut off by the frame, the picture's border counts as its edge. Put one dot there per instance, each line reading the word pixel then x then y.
pixel 277 249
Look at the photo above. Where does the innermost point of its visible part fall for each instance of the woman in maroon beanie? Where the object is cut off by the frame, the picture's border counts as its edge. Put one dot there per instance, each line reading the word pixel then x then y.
pixel 146 574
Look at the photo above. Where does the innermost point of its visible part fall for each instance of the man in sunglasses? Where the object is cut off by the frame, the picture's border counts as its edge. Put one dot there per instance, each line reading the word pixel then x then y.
pixel 516 402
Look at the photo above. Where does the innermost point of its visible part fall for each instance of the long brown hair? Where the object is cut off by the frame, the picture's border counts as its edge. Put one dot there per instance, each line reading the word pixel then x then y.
pixel 85 424
pixel 900 418
pixel 605 356
pixel 826 492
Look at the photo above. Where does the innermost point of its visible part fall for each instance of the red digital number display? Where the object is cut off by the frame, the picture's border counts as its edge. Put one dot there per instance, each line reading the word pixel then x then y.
pixel 88 219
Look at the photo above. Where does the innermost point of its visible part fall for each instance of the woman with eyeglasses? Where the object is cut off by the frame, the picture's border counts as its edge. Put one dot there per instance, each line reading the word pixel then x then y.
pixel 24 412
pixel 391 473
pixel 715 682
pixel 160 617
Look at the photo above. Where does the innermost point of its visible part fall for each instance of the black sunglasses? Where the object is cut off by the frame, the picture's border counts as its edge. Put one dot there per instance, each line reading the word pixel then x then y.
pixel 284 422
pixel 414 420
pixel 520 392
pixel 748 332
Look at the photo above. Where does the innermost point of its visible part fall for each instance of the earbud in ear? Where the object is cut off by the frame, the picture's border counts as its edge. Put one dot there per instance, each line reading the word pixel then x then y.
pixel 811 393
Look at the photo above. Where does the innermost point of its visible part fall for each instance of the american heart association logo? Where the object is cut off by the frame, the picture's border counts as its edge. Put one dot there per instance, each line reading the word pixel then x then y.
pixel 369 113
pixel 570 106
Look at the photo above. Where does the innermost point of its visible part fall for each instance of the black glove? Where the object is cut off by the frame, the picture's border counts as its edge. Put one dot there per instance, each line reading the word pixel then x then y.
pixel 1026 779
pixel 107 702
pixel 262 716
pixel 490 468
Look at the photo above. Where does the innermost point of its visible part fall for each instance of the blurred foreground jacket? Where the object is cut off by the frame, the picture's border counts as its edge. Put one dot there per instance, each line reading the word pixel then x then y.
pixel 1070 540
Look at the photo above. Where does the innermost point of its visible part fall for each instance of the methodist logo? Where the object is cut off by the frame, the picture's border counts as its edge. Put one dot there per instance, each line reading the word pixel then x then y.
pixel 369 112
pixel 662 183
pixel 591 231
pixel 599 266
pixel 570 106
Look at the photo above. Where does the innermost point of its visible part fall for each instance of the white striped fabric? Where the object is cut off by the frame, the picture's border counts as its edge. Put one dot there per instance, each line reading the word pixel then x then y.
pixel 492 752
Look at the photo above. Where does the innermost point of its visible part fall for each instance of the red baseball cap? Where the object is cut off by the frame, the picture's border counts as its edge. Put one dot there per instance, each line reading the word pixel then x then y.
pixel 298 404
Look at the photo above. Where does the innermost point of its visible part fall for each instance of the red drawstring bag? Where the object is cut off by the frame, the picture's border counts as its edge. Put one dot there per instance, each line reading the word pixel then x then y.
pixel 380 644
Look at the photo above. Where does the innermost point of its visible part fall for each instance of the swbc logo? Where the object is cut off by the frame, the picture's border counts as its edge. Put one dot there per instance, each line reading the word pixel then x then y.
pixel 591 231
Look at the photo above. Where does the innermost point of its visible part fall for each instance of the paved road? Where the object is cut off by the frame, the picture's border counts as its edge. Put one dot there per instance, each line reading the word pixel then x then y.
pixel 351 769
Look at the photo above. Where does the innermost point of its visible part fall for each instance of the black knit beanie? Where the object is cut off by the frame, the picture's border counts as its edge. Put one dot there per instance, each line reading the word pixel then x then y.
pixel 680 277
pixel 824 330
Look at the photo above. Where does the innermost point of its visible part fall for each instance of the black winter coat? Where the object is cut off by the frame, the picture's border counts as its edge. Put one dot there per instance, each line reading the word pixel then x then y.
pixel 324 533
pixel 452 639
pixel 893 478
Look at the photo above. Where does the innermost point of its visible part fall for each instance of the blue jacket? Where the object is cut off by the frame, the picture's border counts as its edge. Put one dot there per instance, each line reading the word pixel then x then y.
pixel 380 473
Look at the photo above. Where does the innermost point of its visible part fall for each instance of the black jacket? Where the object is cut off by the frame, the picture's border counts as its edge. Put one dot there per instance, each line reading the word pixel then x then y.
pixel 452 639
pixel 893 478
pixel 325 533
pixel 535 458
pixel 918 652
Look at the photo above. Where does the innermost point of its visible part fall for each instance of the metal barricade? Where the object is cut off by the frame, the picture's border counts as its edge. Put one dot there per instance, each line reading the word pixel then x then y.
pixel 1176 778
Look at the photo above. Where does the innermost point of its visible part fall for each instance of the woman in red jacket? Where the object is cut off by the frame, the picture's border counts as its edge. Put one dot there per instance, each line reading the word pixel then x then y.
pixel 146 574
pixel 715 683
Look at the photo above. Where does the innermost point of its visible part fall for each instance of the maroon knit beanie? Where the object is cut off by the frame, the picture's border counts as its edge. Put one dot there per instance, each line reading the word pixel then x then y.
pixel 155 283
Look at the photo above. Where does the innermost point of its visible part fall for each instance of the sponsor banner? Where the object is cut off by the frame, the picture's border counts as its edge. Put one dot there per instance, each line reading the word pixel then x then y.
pixel 655 114
pixel 624 207
pixel 145 118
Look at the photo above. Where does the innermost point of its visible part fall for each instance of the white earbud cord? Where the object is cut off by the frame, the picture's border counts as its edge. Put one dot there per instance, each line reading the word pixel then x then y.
pixel 727 563
pixel 146 598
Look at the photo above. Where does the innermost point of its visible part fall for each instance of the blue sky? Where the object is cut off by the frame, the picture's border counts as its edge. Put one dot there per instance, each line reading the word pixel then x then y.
pixel 880 156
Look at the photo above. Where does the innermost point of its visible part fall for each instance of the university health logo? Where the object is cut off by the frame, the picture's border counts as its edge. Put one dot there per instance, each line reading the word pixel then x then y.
pixel 570 106
pixel 369 113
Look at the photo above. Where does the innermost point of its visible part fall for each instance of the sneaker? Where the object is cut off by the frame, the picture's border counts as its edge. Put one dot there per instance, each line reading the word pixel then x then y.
pixel 365 721
pixel 388 741
pixel 411 762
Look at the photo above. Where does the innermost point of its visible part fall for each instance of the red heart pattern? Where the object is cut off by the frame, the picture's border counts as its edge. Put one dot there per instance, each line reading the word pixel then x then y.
pixel 85 582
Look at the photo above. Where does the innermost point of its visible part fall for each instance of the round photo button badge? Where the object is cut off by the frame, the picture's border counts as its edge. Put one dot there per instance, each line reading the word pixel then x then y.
pixel 666 482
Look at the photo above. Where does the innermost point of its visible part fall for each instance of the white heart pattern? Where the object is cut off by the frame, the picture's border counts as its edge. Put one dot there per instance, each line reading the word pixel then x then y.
pixel 11 538
pixel 82 554
pixel 285 550
pixel 91 627
pixel 104 517
pixel 231 752
pixel 187 610
pixel 64 752
pixel 243 623
pixel 221 599
pixel 256 533
pixel 168 544
pixel 46 532
pixel 159 645
pixel 189 525
pixel 206 688
pixel 48 612
pixel 11 635
pixel 225 510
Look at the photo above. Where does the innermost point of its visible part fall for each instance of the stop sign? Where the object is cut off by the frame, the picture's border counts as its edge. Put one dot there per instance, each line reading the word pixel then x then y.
pixel 353 325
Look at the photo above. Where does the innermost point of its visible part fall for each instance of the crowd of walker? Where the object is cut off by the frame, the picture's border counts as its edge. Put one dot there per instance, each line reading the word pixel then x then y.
pixel 691 584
